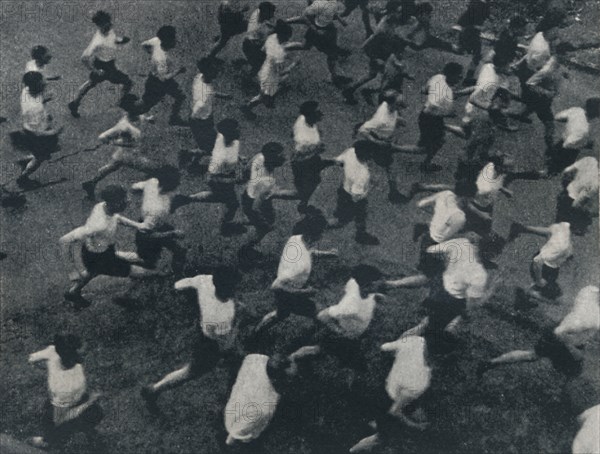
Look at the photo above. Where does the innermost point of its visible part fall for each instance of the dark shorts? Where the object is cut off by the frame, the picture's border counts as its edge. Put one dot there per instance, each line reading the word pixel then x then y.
pixel 323 39
pixel 430 265
pixel 478 225
pixel 263 219
pixel 559 158
pixel 86 422
pixel 223 190
pixel 149 248
pixel 107 71
pixel 155 90
pixel 291 303
pixel 232 23
pixel 442 307
pixel 382 156
pixel 549 274
pixel 206 353
pixel 41 147
pixel 579 218
pixel 470 41
pixel 351 5
pixel 307 174
pixel 204 133
pixel 253 50
pixel 431 131
pixel 565 358
pixel 348 210
pixel 105 263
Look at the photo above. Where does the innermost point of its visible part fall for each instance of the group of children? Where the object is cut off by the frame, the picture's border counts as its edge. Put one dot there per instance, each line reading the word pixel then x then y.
pixel 457 248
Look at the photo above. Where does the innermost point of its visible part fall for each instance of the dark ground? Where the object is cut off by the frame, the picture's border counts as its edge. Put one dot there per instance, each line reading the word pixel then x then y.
pixel 517 409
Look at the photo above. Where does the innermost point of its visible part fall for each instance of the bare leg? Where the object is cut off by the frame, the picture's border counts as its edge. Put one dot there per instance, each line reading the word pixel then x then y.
pixel 131 257
pixel 367 444
pixel 31 167
pixel 173 379
pixel 516 356
pixel 457 130
pixel 418 330
pixel 417 280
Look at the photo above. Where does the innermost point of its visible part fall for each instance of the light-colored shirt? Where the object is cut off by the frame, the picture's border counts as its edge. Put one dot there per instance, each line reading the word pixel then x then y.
pixel 448 219
pixel 156 206
pixel 203 96
pixel 410 375
pixel 224 158
pixel 295 264
pixel 440 97
pixel 488 83
pixel 262 183
pixel 353 313
pixel 252 401
pixel 33 112
pixel 587 440
pixel 324 12
pixel 538 52
pixel 585 181
pixel 216 316
pixel 577 129
pixel 161 64
pixel 258 31
pixel 489 182
pixel 32 65
pixel 357 176
pixel 102 47
pixel 307 139
pixel 383 123
pixel 124 133
pixel 585 313
pixel 66 386
pixel 99 232
pixel 558 248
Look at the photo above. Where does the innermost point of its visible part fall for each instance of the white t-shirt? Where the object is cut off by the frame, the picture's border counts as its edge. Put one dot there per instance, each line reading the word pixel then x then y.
pixel 448 219
pixel 102 47
pixel 489 182
pixel 156 206
pixel 488 82
pixel 66 386
pixel 577 129
pixel 203 96
pixel 353 313
pixel 307 139
pixel 323 11
pixel 356 175
pixel 538 52
pixel 124 133
pixel 382 124
pixel 587 440
pixel 216 317
pixel 440 97
pixel 585 314
pixel 410 375
pixel 558 248
pixel 33 112
pixel 586 178
pixel 32 65
pixel 161 64
pixel 295 264
pixel 99 231
pixel 224 158
pixel 252 401
pixel 262 182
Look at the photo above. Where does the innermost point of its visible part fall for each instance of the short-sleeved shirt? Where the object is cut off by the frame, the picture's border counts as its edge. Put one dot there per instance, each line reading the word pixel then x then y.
pixel 203 96
pixel 353 313
pixel 102 47
pixel 382 124
pixel 66 386
pixel 262 181
pixel 410 375
pixel 448 219
pixel 586 178
pixel 357 176
pixel 224 158
pixel 161 64
pixel 307 139
pixel 216 316
pixel 440 97
pixel 156 206
pixel 32 66
pixel 488 83
pixel 538 52
pixel 258 31
pixel 252 401
pixel 585 313
pixel 295 264
pixel 100 230
pixel 558 248
pixel 488 183
pixel 577 129
pixel 33 112
pixel 324 12
pixel 587 439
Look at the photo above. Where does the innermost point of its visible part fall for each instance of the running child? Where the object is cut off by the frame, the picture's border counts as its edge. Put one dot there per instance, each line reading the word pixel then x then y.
pixel 100 58
pixel 232 22
pixel 215 333
pixel 352 195
pixel 91 248
pixel 260 26
pixel 471 21
pixel 587 438
pixel 70 408
pixel 40 58
pixel 161 79
pixel 363 5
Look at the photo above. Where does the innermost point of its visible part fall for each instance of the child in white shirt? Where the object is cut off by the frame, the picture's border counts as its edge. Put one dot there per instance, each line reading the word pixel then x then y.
pixel 40 58
pixel 260 26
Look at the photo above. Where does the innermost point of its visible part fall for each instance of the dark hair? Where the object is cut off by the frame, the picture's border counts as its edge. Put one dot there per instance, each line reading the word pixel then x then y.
pixel 168 177
pixel 101 18
pixel 312 224
pixel 208 68
pixel 167 36
pixel 128 102
pixel 518 21
pixel 366 274
pixel 267 10
pixel 229 127
pixel 453 69
pixel 592 107
pixel 276 367
pixel 552 19
pixel 283 30
pixel 309 107
pixel 113 194
pixel 39 52
pixel 225 280
pixel 272 149
pixel 363 149
pixel 34 81
pixel 423 8
pixel 66 346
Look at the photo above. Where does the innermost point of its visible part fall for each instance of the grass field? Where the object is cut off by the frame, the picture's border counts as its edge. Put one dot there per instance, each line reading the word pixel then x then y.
pixel 522 409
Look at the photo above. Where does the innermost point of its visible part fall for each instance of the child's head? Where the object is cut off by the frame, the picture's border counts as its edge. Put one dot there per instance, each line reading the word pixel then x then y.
pixel 453 72
pixel 266 11
pixel 273 153
pixel 283 31
pixel 518 24
pixel 129 103
pixel 311 112
pixel 208 69
pixel 423 12
pixel 66 346
pixel 168 178
pixel 230 129
pixel 103 21
pixel 312 225
pixel 592 108
pixel 391 97
pixel 366 276
pixel 363 150
pixel 167 36
pixel 501 61
pixel 34 81
pixel 115 198
pixel 41 54
pixel 225 280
